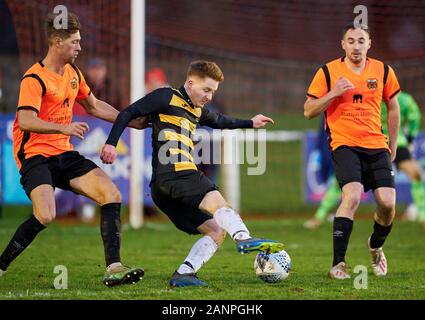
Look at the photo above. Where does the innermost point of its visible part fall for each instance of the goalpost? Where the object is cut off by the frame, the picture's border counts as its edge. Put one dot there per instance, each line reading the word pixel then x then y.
pixel 137 91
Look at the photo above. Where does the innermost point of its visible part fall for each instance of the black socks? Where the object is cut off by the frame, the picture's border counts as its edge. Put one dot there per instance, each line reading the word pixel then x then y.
pixel 110 229
pixel 342 230
pixel 379 235
pixel 23 236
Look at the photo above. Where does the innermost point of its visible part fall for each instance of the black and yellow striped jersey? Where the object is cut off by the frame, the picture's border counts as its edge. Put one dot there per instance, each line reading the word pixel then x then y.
pixel 174 120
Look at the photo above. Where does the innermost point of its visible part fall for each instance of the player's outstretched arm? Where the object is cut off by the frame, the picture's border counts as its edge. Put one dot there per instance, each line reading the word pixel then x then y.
pixel 217 120
pixel 102 110
pixel 29 121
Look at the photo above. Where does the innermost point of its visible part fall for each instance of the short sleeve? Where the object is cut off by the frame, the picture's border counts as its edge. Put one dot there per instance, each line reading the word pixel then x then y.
pixel 30 94
pixel 84 89
pixel 318 87
pixel 392 86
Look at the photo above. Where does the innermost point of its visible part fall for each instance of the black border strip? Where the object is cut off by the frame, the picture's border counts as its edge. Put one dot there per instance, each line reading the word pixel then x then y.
pixel 77 71
pixel 392 96
pixel 35 76
pixel 28 108
pixel 327 76
pixel 386 70
pixel 21 152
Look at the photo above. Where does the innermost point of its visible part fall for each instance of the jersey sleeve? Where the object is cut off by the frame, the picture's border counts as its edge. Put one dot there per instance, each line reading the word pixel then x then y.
pixel 318 87
pixel 84 89
pixel 30 94
pixel 391 87
pixel 217 120
pixel 153 103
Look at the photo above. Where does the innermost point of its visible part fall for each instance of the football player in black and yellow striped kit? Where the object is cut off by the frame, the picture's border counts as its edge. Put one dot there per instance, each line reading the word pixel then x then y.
pixel 186 195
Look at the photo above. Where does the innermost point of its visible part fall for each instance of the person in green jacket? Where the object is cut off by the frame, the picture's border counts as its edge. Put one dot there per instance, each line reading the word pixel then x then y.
pixel 410 119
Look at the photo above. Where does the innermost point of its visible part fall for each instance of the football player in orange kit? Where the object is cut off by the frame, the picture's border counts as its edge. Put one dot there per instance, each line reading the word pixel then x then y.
pixel 349 91
pixel 45 157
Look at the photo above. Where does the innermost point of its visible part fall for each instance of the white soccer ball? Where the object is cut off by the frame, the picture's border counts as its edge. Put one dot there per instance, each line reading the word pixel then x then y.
pixel 272 267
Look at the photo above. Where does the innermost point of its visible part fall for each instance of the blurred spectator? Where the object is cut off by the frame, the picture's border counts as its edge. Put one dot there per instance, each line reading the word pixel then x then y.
pixel 155 78
pixel 98 79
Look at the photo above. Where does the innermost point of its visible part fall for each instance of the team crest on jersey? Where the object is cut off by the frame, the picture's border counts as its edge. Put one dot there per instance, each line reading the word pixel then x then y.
pixel 74 83
pixel 372 84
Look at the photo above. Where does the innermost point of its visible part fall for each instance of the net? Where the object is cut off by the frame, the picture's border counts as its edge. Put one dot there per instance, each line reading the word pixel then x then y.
pixel 105 35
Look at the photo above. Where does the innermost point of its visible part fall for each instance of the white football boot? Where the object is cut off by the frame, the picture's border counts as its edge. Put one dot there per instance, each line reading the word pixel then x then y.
pixel 379 262
pixel 339 271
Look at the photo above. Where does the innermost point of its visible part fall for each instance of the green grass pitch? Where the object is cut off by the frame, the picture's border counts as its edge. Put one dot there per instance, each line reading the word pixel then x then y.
pixel 159 248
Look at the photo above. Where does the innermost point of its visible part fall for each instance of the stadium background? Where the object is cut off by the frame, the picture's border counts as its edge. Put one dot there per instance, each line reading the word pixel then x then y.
pixel 268 50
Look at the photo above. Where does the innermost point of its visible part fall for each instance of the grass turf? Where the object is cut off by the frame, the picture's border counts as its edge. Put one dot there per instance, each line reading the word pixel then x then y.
pixel 159 248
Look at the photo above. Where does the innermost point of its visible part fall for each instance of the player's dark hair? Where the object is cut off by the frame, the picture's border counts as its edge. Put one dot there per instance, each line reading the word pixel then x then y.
pixel 73 26
pixel 351 25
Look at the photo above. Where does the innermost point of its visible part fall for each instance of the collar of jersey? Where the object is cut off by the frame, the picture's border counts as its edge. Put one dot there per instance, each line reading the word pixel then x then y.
pixel 56 75
pixel 186 96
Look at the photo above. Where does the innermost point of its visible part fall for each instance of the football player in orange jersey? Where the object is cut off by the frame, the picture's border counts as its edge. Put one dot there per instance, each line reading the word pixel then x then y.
pixel 349 91
pixel 45 157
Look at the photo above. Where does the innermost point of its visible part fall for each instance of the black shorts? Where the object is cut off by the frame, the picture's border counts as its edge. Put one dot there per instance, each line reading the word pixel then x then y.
pixel 372 168
pixel 403 154
pixel 56 171
pixel 178 195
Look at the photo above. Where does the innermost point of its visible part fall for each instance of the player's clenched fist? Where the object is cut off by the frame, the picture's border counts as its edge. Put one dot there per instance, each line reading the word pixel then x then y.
pixel 342 86
pixel 77 129
pixel 108 154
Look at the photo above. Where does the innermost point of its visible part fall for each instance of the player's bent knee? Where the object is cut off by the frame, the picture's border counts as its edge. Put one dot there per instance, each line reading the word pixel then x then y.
pixel 351 201
pixel 385 218
pixel 386 205
pixel 213 201
pixel 116 196
pixel 112 195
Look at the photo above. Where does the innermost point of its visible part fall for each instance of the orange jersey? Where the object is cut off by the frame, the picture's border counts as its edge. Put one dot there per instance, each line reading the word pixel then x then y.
pixel 354 118
pixel 52 96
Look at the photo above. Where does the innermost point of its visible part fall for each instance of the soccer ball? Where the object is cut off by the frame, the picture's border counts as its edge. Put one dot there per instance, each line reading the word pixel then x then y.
pixel 272 267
